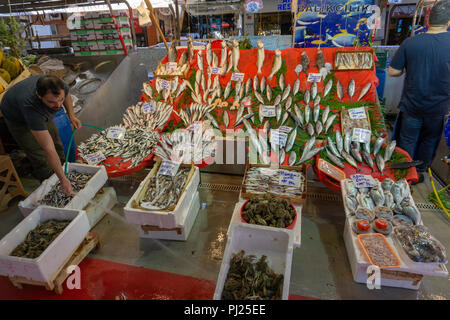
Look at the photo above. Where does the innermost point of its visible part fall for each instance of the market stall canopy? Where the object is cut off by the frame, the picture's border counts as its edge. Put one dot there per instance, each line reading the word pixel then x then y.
pixel 49 6
pixel 203 8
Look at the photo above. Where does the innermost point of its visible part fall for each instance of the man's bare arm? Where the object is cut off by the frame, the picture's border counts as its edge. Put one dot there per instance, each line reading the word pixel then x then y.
pixel 394 72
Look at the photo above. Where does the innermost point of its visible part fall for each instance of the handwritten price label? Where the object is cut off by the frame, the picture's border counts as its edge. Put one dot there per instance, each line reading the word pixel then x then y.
pixel 148 107
pixel 237 77
pixel 196 125
pixel 278 138
pixel 116 133
pixel 314 77
pixel 268 111
pixel 215 70
pixel 168 168
pixel 290 178
pixel 357 113
pixel 95 158
pixel 171 66
pixel 285 129
pixel 361 135
pixel 165 84
pixel 363 181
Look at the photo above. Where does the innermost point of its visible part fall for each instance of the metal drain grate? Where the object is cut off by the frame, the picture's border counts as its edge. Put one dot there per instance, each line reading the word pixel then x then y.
pixel 427 206
pixel 324 196
pixel 220 187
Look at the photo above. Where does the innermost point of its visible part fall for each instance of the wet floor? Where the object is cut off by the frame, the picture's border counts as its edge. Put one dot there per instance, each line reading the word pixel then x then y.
pixel 320 267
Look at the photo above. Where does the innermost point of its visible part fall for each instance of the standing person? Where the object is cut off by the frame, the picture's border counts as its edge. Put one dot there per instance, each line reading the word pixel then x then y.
pixel 28 108
pixel 426 94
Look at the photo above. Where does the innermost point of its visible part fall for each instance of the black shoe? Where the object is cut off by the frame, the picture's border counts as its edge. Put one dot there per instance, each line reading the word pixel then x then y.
pixel 421 179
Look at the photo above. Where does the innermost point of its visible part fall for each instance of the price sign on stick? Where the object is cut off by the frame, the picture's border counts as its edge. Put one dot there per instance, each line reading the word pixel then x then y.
pixel 285 129
pixel 148 107
pixel 357 113
pixel 314 77
pixel 278 138
pixel 116 133
pixel 237 77
pixel 363 181
pixel 268 111
pixel 168 168
pixel 165 84
pixel 214 70
pixel 171 66
pixel 94 158
pixel 361 135
pixel 290 178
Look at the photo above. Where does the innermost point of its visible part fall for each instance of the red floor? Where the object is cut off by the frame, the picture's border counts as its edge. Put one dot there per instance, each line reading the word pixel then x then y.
pixel 105 280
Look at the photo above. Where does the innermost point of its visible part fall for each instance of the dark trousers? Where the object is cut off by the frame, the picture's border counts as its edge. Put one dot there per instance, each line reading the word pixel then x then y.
pixel 25 139
pixel 419 136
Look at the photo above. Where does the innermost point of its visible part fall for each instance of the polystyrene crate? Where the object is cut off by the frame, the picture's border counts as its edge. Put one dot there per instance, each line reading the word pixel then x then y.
pixel 80 200
pixel 276 244
pixel 44 267
pixel 162 219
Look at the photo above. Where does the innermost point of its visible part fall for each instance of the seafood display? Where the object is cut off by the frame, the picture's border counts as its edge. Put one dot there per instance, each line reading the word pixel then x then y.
pixel 269 210
pixel 420 245
pixel 56 198
pixel 136 145
pixel 149 115
pixel 353 60
pixel 378 250
pixel 248 279
pixel 39 239
pixel 348 124
pixel 164 191
pixel 263 180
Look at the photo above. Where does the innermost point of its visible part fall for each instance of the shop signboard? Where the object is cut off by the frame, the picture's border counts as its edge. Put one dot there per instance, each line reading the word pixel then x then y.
pixel 334 23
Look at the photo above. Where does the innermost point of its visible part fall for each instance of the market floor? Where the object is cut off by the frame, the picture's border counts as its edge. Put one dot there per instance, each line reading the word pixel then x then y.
pixel 320 267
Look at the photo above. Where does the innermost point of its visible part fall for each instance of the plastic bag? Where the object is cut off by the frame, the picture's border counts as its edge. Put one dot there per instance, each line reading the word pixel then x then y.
pixel 144 15
pixel 420 245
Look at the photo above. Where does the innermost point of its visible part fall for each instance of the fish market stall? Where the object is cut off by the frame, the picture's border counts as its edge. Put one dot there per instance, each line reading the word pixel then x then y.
pixel 384 228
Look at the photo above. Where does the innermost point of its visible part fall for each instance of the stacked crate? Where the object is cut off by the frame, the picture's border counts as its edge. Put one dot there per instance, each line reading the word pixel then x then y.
pixel 97 34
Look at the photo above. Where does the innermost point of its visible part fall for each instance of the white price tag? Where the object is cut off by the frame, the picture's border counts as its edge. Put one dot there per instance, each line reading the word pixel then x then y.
pixel 165 84
pixel 116 133
pixel 357 113
pixel 237 77
pixel 290 178
pixel 268 111
pixel 363 181
pixel 195 126
pixel 168 168
pixel 94 158
pixel 285 129
pixel 361 135
pixel 314 77
pixel 171 66
pixel 278 138
pixel 148 107
pixel 215 70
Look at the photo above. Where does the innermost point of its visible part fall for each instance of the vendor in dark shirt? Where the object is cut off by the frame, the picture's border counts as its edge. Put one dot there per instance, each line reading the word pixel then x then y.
pixel 28 108
pixel 426 94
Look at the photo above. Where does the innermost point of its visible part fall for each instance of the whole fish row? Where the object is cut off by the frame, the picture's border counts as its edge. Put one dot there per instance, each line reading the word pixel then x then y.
pixel 148 115
pixel 262 180
pixel 194 112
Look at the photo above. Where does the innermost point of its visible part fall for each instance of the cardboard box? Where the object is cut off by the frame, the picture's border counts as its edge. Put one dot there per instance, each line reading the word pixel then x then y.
pixel 108 23
pixel 88 53
pixel 83 35
pixel 114 44
pixel 85 46
pixel 108 34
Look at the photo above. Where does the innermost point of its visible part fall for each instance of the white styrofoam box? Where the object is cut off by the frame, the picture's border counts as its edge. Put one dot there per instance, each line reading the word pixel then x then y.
pixel 82 35
pixel 297 230
pixel 79 46
pixel 113 44
pixel 186 223
pixel 44 267
pixel 162 219
pixel 275 243
pixel 80 200
pixel 112 34
pixel 102 202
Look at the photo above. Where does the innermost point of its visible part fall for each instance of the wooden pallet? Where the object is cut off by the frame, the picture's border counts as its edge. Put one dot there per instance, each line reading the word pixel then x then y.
pixel 10 185
pixel 56 284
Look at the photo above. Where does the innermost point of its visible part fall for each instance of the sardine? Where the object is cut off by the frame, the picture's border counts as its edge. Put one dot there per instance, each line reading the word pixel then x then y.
pixel 347 157
pixel 351 88
pixel 339 141
pixel 286 92
pixel 313 90
pixel 380 163
pixel 347 141
pixel 316 112
pixel 377 145
pixel 333 148
pixel 285 117
pixel 304 60
pixel 368 159
pixel 235 55
pixel 310 129
pixel 364 90
pixel 281 82
pixel 327 88
pixel 259 97
pixel 276 65
pixel 226 119
pixel 292 158
pixel 296 87
pixel 307 97
pixel 335 159
pixel 277 100
pixel 389 150
pixel 291 140
pixel 260 59
pixel 317 100
pixel 339 90
pixel 307 113
pixel 329 122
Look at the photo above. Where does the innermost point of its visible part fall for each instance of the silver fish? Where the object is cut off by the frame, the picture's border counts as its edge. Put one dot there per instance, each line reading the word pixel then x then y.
pixel 309 144
pixel 347 141
pixel 335 159
pixel 307 113
pixel 262 85
pixel 248 86
pixel 277 99
pixel 261 117
pixel 307 97
pixel 282 156
pixel 396 191
pixel 223 54
pixel 377 145
pixel 292 158
pixel 298 69
pixel 240 112
pixel 319 127
pixel 296 87
pixel 227 91
pixel 310 129
pixel 269 94
pixel 316 112
pixel 276 65
pixel 329 122
pixel 304 60
pixel 286 92
pixel 389 150
pixel 285 117
pixel 209 57
pixel 310 155
pixel 288 103
pixel 367 159
pixel 226 119
pixel 351 88
pixel 313 90
pixel 325 114
pixel 255 83
pixel 380 163
pixel 347 157
pixel 386 184
pixel 367 147
pixel 377 196
pixel 411 212
pixel 278 111
pixel 364 90
pixel 352 203
pixel 317 100
pixel 351 189
pixel 200 60
pixel 260 59
pixel 355 152
pixel 333 148
pixel 327 88
pixel 339 90
pixel 281 82
pixel 235 55
pixel 339 141
pixel 259 97
pixel 291 140
pixel 299 114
